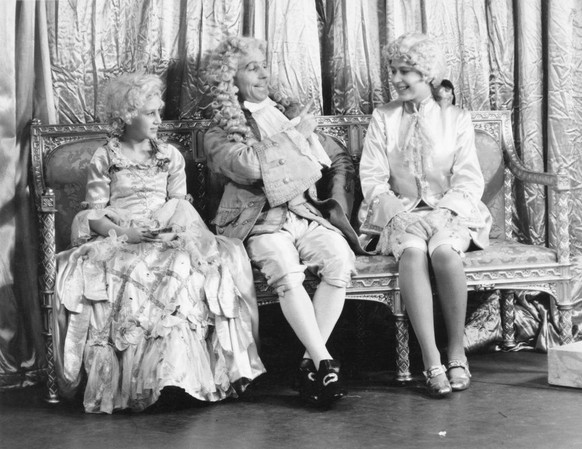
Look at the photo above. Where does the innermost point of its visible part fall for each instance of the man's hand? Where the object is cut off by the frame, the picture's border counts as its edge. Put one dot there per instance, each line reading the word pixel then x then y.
pixel 307 123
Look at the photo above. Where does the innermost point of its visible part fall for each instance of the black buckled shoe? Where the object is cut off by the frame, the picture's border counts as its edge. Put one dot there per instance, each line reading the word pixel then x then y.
pixel 330 381
pixel 307 382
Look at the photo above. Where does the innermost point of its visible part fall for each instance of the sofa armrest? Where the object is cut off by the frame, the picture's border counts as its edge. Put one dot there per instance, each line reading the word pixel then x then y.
pixel 559 185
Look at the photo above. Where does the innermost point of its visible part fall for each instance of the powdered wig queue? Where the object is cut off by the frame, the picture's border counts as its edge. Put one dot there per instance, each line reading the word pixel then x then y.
pixel 221 70
pixel 419 51
pixel 125 95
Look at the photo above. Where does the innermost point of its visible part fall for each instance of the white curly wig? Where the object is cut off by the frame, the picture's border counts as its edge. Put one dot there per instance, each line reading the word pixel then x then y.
pixel 220 76
pixel 220 71
pixel 420 51
pixel 126 94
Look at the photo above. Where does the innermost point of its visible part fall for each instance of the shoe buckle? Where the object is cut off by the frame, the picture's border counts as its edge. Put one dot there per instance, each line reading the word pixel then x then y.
pixel 434 371
pixel 329 378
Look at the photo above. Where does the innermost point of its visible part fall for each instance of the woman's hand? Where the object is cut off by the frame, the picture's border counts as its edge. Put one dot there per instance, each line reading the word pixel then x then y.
pixel 137 235
pixel 142 234
pixel 164 237
pixel 307 123
pixel 435 221
pixel 439 219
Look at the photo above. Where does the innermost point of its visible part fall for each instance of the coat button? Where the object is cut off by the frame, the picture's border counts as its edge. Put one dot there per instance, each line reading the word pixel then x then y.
pixel 286 180
pixel 220 230
pixel 281 161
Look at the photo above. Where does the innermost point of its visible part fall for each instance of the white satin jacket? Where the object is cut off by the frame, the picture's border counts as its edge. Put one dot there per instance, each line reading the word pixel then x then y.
pixel 397 176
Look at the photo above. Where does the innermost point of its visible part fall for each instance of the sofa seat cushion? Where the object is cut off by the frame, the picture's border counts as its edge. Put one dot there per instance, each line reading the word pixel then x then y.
pixel 509 253
pixel 370 265
pixel 504 253
pixel 500 252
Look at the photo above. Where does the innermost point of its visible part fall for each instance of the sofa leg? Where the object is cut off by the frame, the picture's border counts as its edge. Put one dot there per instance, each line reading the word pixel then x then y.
pixel 507 305
pixel 47 237
pixel 360 340
pixel 52 395
pixel 402 350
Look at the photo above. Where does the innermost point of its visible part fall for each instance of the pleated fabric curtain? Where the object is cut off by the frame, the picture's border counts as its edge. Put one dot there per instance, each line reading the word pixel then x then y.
pixel 562 118
pixel 21 344
pixel 521 55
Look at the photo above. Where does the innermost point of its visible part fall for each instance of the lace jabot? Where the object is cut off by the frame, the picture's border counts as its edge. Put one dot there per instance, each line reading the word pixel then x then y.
pixel 415 139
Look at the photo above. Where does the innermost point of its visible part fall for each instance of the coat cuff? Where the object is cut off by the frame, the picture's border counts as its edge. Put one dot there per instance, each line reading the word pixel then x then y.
pixel 381 210
pixel 460 203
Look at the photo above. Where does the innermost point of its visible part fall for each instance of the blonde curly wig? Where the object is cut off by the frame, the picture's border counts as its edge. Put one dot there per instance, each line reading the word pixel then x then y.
pixel 126 94
pixel 419 51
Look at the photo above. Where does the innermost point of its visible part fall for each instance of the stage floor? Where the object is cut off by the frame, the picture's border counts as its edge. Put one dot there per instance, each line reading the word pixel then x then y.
pixel 510 404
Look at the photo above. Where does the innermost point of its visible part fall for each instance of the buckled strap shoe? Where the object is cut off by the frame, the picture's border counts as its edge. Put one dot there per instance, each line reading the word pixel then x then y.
pixel 307 383
pixel 330 381
pixel 461 379
pixel 437 384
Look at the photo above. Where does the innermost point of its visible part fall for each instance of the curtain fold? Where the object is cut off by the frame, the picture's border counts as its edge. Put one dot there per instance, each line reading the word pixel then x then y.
pixel 91 41
pixel 21 345
pixel 564 120
pixel 352 66
pixel 291 31
pixel 531 210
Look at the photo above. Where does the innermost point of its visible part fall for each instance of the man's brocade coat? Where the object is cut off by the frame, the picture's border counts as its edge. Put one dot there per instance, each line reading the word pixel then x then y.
pixel 262 176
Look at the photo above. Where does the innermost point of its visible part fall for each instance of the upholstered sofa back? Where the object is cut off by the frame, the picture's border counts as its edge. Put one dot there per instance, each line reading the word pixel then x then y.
pixel 61 154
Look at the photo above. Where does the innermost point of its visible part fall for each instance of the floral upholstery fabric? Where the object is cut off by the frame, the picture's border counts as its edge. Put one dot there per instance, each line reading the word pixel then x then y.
pixel 66 174
pixel 492 165
pixel 506 252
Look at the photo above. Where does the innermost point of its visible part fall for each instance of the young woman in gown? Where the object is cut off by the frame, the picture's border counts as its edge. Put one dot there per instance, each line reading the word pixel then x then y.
pixel 153 299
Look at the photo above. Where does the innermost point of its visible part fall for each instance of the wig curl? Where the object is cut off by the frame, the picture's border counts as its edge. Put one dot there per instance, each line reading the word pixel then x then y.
pixel 126 94
pixel 419 51
pixel 222 65
pixel 220 73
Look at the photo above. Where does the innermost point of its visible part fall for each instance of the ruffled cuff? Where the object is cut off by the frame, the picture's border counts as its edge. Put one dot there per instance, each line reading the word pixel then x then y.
pixel 80 230
pixel 380 211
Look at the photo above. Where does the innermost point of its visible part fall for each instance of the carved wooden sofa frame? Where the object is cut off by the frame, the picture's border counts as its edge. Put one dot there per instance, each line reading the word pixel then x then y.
pixel 60 154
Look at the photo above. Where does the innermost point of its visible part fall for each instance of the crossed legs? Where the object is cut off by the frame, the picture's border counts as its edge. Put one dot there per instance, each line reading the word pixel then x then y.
pixel 314 321
pixel 283 257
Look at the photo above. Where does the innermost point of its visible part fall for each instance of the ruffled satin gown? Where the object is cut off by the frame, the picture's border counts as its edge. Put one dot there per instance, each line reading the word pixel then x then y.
pixel 141 317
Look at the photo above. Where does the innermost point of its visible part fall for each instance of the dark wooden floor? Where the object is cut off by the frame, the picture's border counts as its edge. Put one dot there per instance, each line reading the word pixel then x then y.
pixel 509 405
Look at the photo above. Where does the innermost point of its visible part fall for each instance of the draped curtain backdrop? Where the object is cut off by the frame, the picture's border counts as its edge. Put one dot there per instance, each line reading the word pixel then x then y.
pixel 523 55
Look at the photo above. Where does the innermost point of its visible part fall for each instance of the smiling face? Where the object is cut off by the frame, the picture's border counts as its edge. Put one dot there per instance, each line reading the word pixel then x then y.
pixel 408 82
pixel 252 77
pixel 145 124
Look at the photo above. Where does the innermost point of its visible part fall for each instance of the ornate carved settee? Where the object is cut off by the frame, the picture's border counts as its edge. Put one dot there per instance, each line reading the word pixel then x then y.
pixel 61 153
